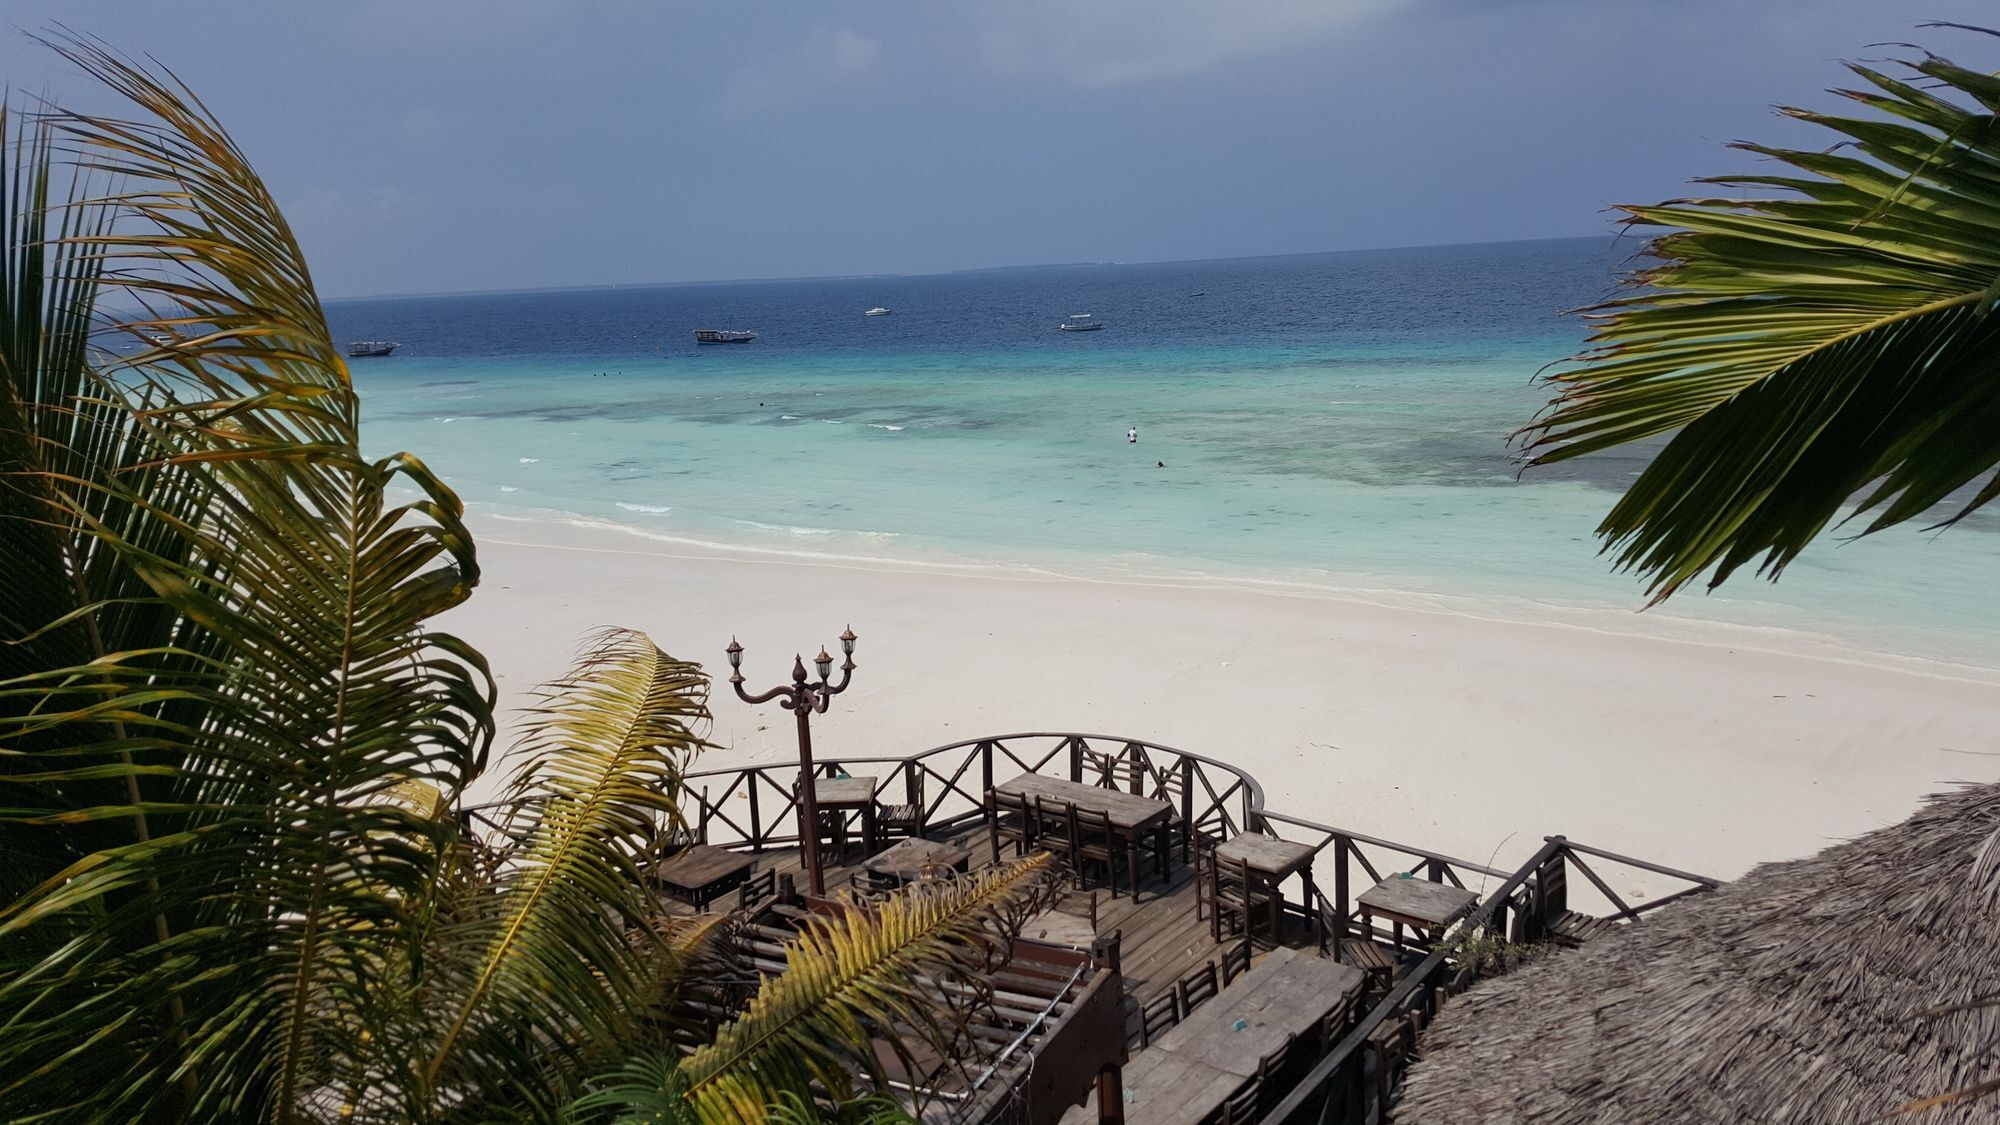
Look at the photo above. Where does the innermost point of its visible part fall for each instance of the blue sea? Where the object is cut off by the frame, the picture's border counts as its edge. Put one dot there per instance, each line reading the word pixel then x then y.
pixel 1335 420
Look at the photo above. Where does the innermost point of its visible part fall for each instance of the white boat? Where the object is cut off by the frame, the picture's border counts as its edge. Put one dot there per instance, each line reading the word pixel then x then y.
pixel 722 336
pixel 371 347
pixel 878 310
pixel 1080 322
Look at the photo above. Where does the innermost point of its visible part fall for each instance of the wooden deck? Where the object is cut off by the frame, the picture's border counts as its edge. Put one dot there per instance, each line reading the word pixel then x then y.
pixel 1160 938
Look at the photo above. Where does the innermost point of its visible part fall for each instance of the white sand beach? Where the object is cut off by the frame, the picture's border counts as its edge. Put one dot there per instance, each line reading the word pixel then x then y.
pixel 1704 749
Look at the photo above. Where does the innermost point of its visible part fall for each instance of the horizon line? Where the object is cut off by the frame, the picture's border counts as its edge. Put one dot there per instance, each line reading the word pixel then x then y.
pixel 945 273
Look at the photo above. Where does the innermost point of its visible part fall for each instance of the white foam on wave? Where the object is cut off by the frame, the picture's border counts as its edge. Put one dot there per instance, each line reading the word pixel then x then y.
pixel 656 508
pixel 788 417
pixel 786 528
pixel 508 488
pixel 531 460
pixel 885 426
pixel 831 421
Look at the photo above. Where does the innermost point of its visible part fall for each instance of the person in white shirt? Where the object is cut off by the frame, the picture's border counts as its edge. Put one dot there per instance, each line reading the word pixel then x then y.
pixel 1132 435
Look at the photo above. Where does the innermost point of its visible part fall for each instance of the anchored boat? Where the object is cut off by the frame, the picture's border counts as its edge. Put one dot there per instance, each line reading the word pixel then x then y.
pixel 1080 322
pixel 722 336
pixel 371 347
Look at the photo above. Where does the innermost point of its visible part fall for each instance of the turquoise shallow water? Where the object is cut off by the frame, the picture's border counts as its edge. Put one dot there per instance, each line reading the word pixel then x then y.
pixel 1333 420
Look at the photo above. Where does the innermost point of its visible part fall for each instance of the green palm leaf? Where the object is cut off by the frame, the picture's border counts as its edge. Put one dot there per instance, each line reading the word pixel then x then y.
pixel 881 973
pixel 238 645
pixel 554 956
pixel 1827 346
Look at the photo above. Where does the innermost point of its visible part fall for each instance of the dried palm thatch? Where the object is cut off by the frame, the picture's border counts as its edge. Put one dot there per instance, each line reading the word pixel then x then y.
pixel 1823 990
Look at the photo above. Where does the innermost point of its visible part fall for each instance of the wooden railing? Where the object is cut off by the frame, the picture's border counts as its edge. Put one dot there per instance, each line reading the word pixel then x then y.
pixel 1356 1082
pixel 756 807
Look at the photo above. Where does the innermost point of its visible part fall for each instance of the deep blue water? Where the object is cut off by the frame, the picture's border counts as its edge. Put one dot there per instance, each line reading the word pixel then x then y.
pixel 1333 419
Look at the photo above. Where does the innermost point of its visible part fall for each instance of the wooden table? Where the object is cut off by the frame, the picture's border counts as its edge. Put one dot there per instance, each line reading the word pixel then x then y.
pixel 1161 1089
pixel 842 795
pixel 700 873
pixel 1275 860
pixel 1284 996
pixel 1131 815
pixel 907 859
pixel 1420 904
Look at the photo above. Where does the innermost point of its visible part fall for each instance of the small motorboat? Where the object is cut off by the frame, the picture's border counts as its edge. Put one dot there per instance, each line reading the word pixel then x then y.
pixel 1080 322
pixel 722 336
pixel 360 348
pixel 878 310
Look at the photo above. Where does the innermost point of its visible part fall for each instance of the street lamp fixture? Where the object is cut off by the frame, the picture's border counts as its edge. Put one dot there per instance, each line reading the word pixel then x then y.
pixel 804 699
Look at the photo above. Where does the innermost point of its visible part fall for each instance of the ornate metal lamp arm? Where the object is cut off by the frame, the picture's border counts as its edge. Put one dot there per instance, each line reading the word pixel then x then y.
pixel 803 699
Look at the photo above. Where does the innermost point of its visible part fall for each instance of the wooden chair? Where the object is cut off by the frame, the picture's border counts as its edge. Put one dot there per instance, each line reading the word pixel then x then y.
pixel 1158 1014
pixel 1113 771
pixel 868 884
pixel 1009 817
pixel 758 889
pixel 1197 986
pixel 1233 894
pixel 906 819
pixel 1564 926
pixel 1240 1108
pixel 1096 841
pixel 1235 961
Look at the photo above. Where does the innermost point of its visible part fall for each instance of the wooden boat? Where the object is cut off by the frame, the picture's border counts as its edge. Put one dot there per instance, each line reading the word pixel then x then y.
pixel 722 336
pixel 1080 322
pixel 359 348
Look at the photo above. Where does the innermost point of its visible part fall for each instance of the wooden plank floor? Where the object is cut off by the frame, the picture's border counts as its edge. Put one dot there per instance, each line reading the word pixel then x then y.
pixel 1160 938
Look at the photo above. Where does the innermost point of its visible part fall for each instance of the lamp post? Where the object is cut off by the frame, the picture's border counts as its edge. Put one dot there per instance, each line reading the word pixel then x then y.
pixel 804 699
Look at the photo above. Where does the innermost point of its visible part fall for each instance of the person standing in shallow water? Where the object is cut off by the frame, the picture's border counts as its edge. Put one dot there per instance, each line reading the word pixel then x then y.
pixel 1132 435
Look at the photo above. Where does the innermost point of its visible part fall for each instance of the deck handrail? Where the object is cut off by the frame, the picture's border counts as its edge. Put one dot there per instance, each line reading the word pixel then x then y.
pixel 1313 1098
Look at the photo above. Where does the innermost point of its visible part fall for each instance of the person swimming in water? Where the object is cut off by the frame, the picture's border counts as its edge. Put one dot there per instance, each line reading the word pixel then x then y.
pixel 1132 435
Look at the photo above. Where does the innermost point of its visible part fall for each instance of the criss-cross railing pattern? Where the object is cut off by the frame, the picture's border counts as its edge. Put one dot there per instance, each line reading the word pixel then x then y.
pixel 755 807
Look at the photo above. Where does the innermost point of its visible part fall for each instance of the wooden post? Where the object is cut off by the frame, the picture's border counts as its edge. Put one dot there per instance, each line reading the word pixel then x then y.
pixel 1110 1096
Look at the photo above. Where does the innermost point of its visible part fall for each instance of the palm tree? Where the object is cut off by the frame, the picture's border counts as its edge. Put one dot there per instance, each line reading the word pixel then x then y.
pixel 1827 344
pixel 228 732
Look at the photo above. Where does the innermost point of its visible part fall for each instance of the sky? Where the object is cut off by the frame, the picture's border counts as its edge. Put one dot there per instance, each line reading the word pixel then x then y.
pixel 450 145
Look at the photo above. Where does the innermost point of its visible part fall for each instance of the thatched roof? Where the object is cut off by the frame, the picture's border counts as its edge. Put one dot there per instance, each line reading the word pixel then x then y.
pixel 1790 996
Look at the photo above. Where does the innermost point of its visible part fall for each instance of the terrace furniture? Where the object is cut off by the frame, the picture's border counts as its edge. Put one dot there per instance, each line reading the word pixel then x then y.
pixel 871 886
pixel 1010 817
pixel 1059 927
pixel 1113 771
pixel 1564 926
pixel 1132 816
pixel 700 873
pixel 1282 998
pixel 1232 892
pixel 1095 840
pixel 1157 1015
pixel 757 889
pixel 1271 861
pixel 1424 906
pixel 838 796
pixel 906 819
pixel 1197 986
pixel 1235 961
pixel 1161 1089
pixel 907 861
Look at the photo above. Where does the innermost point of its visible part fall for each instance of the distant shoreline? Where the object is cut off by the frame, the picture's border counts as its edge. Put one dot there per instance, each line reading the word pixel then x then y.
pixel 1022 268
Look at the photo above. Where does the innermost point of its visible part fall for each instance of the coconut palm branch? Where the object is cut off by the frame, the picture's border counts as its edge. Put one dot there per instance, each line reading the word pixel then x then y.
pixel 559 955
pixel 916 964
pixel 221 654
pixel 1827 345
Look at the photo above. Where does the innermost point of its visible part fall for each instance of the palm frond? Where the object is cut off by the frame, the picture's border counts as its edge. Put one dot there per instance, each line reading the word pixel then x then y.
pixel 556 951
pixel 909 965
pixel 1826 347
pixel 244 612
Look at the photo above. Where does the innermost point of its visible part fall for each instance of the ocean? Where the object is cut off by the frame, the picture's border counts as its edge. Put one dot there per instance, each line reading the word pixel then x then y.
pixel 1336 421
